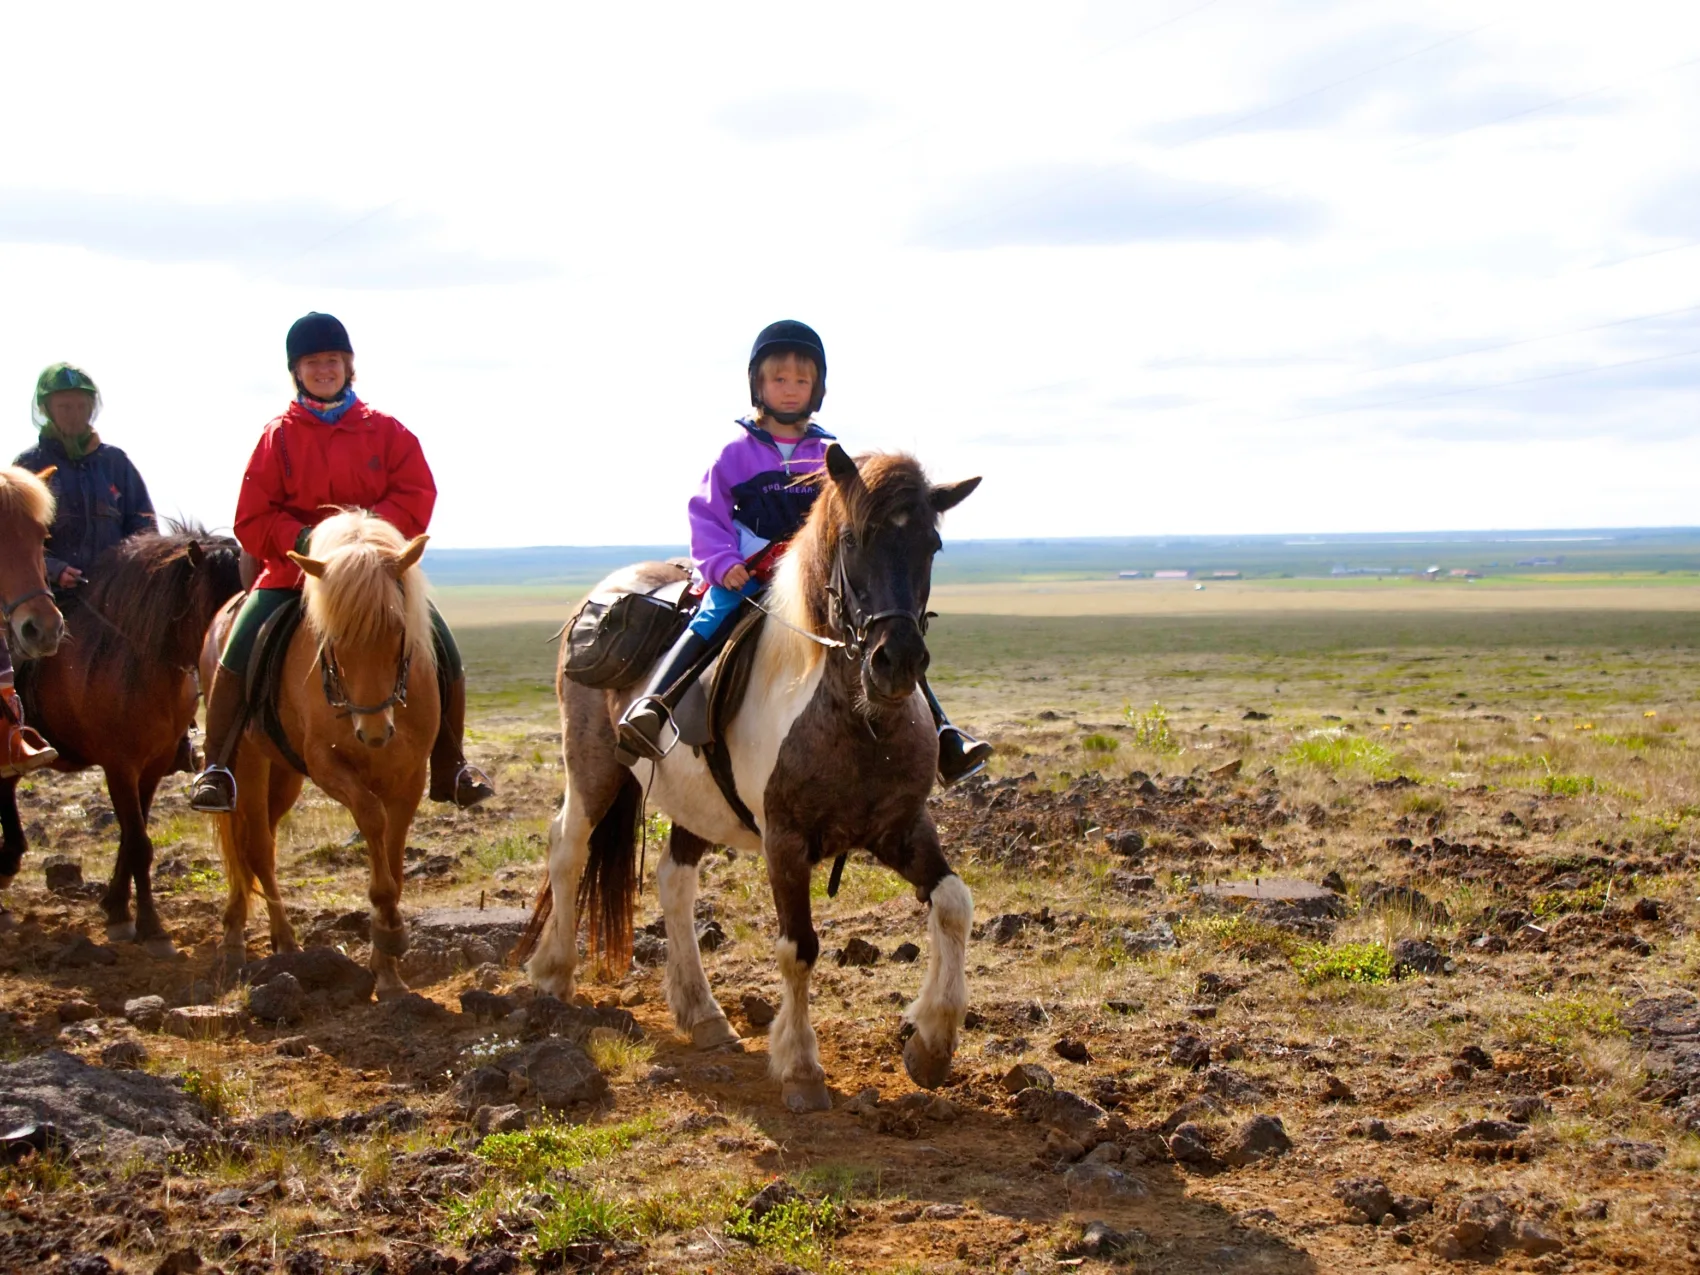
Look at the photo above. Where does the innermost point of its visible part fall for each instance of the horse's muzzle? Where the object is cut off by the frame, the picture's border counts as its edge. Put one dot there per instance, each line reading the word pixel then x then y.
pixel 894 665
pixel 34 636
pixel 374 732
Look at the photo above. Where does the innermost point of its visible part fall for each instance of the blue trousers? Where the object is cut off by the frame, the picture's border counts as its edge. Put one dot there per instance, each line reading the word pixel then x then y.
pixel 720 605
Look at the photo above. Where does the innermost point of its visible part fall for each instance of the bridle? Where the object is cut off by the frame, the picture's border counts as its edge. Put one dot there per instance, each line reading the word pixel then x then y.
pixel 336 694
pixel 847 614
pixel 19 602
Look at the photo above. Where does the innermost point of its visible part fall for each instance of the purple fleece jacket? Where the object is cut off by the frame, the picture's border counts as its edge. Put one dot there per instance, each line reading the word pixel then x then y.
pixel 749 498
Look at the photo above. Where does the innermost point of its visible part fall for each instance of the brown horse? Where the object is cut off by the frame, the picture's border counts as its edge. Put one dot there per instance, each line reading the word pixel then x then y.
pixel 829 754
pixel 32 624
pixel 359 705
pixel 120 694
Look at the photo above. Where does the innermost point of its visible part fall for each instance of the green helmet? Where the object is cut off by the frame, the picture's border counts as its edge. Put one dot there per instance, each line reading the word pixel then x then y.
pixel 62 376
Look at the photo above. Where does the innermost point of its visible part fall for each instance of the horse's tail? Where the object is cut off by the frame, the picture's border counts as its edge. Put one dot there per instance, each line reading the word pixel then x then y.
pixel 607 892
pixel 237 870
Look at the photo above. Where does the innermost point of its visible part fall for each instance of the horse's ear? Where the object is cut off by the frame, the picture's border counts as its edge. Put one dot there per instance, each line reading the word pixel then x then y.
pixel 196 555
pixel 409 557
pixel 312 566
pixel 950 495
pixel 841 467
pixel 47 473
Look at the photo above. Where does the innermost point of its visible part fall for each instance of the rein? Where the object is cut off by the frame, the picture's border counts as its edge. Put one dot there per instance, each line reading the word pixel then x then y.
pixel 336 694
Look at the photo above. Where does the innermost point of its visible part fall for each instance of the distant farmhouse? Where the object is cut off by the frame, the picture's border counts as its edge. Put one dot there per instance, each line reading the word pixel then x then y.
pixel 1541 562
pixel 1129 575
pixel 1464 573
pixel 1171 575
pixel 1224 575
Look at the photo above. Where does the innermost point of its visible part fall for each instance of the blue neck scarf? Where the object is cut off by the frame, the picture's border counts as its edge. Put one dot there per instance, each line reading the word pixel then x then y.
pixel 329 413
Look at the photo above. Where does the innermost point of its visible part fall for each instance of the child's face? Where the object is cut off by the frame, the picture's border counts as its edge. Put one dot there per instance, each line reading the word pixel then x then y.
pixel 787 383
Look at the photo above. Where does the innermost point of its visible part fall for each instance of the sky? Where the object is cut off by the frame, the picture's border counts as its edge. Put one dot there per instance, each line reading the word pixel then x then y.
pixel 1150 267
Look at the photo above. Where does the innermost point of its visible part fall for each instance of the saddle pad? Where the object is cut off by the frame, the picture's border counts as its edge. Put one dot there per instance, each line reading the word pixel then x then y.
pixel 712 701
pixel 264 676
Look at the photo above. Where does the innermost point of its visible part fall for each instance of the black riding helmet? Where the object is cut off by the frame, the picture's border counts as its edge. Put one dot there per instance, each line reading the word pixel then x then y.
pixel 788 336
pixel 316 333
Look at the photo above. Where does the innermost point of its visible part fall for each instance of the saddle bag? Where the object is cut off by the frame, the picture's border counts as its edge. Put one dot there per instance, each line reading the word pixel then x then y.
pixel 614 638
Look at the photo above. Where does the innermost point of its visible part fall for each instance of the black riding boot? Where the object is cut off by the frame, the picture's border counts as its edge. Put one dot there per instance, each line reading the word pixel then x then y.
pixel 214 789
pixel 959 755
pixel 453 778
pixel 642 727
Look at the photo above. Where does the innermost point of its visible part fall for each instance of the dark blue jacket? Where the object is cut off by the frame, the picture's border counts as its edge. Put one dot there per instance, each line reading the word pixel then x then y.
pixel 102 500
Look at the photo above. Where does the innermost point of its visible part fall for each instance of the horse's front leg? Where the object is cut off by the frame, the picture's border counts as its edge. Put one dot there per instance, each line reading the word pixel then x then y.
pixel 12 843
pixel 132 836
pixel 793 1051
pixel 553 967
pixel 688 995
pixel 389 934
pixel 937 1013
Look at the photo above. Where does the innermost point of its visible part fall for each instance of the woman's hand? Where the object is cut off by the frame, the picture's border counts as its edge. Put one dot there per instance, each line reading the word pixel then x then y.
pixel 70 578
pixel 736 578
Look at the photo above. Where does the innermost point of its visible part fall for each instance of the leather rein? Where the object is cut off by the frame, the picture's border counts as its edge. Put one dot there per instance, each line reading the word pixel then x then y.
pixel 336 694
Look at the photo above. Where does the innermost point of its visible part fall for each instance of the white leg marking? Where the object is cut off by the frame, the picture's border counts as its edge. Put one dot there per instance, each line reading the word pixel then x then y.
pixel 686 985
pixel 555 962
pixel 793 1053
pixel 938 1011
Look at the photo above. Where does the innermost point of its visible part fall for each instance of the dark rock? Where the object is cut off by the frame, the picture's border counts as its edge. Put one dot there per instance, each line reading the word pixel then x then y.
pixel 1001 929
pixel 1058 1109
pixel 1403 898
pixel 81 953
pixel 145 1012
pixel 1102 1184
pixel 1100 1239
pixel 1646 909
pixel 1129 844
pixel 758 1013
pixel 649 949
pixel 711 936
pixel 1215 986
pixel 503 1119
pixel 548 1015
pixel 490 1261
pixel 1634 1155
pixel 62 873
pixel 859 952
pixel 1189 1144
pixel 204 1022
pixel 124 1055
pixel 1252 715
pixel 1232 1086
pixel 1158 936
pixel 560 1073
pixel 77 1010
pixel 430 1261
pixel 317 969
pixel 1189 1051
pixel 182 1261
pixel 1026 1076
pixel 770 1197
pixel 492 929
pixel 1489 1131
pixel 1371 1128
pixel 1200 1107
pixel 1368 1196
pixel 1336 1090
pixel 1074 1051
pixel 1416 956
pixel 279 1000
pixel 1131 882
pixel 85 1264
pixel 1263 1137
pixel 1335 882
pixel 1481 1223
pixel 1534 1237
pixel 1477 1057
pixel 304 1259
pixel 476 1087
pixel 1523 1110
pixel 486 1006
pixel 905 953
pixel 122 1114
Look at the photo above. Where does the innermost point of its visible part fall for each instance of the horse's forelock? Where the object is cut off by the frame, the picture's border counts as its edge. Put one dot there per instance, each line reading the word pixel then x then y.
pixel 24 495
pixel 358 600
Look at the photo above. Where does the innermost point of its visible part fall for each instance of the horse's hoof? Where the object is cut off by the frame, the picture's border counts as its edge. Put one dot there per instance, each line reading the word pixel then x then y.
pixel 160 949
pixel 715 1033
pixel 394 992
pixel 806 1095
pixel 123 932
pixel 926 1067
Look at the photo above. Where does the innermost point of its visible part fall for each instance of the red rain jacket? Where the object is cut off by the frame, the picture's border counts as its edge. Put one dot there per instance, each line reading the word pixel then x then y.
pixel 304 470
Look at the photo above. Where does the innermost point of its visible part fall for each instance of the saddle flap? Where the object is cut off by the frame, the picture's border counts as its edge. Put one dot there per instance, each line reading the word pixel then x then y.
pixel 271 648
pixel 690 718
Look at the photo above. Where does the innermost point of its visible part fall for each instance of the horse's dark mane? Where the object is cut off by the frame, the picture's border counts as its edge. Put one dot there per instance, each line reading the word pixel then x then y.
pixel 140 605
pixel 893 483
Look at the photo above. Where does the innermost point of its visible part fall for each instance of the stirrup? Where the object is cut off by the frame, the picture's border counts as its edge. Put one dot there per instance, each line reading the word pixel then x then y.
pixel 214 791
pixel 471 786
pixel 967 756
pixel 634 740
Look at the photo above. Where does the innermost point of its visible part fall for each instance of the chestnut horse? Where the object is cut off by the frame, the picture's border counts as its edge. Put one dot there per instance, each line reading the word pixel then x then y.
pixel 121 692
pixel 359 705
pixel 32 624
pixel 828 754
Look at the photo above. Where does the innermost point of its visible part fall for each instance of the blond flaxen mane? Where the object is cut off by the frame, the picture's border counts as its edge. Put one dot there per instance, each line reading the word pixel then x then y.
pixel 358 600
pixel 24 495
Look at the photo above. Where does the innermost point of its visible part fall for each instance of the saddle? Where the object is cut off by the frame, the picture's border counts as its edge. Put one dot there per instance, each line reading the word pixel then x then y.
pixel 712 703
pixel 263 677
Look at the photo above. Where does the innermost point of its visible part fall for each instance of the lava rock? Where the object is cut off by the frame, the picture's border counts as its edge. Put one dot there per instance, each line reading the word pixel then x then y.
pixel 120 1114
pixel 124 1055
pixel 1489 1131
pixel 1102 1184
pixel 560 1073
pixel 145 1012
pixel 712 936
pixel 859 952
pixel 1200 1107
pixel 203 1022
pixel 1371 1128
pixel 481 1083
pixel 1414 955
pixel 63 874
pixel 504 1119
pixel 490 1261
pixel 1189 1144
pixel 1058 1109
pixel 1368 1196
pixel 758 1012
pixel 1189 1051
pixel 1026 1076
pixel 317 969
pixel 81 953
pixel 486 1006
pixel 1263 1137
pixel 1074 1051
pixel 905 953
pixel 1646 909
pixel 547 1015
pixel 77 1010
pixel 1232 1086
pixel 1002 929
pixel 649 949
pixel 280 1000
pixel 1128 844
pixel 1524 1110
pixel 1158 936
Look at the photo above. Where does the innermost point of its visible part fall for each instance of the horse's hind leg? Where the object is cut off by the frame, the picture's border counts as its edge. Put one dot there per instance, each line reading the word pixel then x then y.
pixel 793 1051
pixel 688 995
pixel 937 1013
pixel 554 965
pixel 283 786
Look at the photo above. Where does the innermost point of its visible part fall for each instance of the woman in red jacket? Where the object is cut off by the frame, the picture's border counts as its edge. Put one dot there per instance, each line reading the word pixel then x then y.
pixel 328 451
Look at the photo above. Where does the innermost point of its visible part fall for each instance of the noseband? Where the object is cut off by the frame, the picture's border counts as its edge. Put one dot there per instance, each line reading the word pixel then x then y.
pixel 336 695
pixel 7 608
pixel 848 615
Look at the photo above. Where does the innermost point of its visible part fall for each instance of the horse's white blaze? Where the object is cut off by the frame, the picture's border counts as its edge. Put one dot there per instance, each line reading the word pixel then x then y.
pixel 685 983
pixel 938 1011
pixel 792 1051
pixel 556 959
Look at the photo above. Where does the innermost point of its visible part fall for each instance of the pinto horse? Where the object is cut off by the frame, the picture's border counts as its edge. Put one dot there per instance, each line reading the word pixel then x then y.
pixel 120 694
pixel 828 754
pixel 359 705
pixel 32 625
